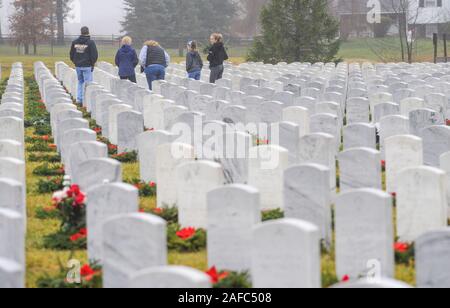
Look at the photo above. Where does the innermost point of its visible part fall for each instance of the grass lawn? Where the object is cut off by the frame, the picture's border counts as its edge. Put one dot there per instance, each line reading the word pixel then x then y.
pixel 358 50
pixel 42 261
pixel 385 50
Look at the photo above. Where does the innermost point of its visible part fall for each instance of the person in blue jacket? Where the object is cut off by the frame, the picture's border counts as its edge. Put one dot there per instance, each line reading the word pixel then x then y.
pixel 127 60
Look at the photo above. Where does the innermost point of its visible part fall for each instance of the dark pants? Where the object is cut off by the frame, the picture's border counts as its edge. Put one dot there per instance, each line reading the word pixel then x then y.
pixel 195 75
pixel 130 78
pixel 155 72
pixel 216 73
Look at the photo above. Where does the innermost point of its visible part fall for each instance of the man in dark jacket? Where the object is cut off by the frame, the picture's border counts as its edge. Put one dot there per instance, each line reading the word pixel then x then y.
pixel 127 60
pixel 216 56
pixel 84 55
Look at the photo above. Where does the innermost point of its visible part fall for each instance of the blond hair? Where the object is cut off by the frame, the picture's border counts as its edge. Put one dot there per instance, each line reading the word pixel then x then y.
pixel 218 37
pixel 126 40
pixel 152 43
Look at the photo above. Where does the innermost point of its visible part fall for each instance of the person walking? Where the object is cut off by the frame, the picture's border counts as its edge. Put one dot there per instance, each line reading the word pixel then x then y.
pixel 154 60
pixel 84 55
pixel 216 56
pixel 127 60
pixel 194 62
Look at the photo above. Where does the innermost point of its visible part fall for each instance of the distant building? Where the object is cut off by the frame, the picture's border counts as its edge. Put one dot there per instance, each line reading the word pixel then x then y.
pixel 424 16
pixel 431 16
pixel 353 14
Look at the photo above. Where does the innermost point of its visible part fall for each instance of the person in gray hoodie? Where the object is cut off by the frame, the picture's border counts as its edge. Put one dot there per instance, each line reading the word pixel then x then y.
pixel 194 62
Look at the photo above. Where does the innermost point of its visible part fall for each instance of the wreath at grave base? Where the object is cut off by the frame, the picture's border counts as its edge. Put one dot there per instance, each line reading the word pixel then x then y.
pixel 86 114
pixel 63 241
pixel 41 146
pixel 168 214
pixel 47 169
pixel 46 212
pixel 39 139
pixel 50 158
pixel 88 276
pixel 404 253
pixel 229 280
pixel 71 208
pixel 185 239
pixel 145 189
pixel 272 215
pixel 112 149
pixel 50 185
pixel 126 157
pixel 42 128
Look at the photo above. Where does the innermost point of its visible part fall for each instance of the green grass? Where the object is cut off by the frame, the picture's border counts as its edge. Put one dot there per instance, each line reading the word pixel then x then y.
pixel 9 55
pixel 385 50
pixel 357 50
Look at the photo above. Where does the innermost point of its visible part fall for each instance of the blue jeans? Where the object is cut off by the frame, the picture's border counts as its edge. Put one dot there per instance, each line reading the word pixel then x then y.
pixel 84 76
pixel 195 75
pixel 155 72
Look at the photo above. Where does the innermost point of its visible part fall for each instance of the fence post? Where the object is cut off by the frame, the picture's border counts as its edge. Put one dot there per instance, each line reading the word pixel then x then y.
pixel 435 44
pixel 445 48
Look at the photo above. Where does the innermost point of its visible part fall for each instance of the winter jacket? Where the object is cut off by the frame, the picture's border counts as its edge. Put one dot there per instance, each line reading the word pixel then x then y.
pixel 217 55
pixel 126 60
pixel 83 52
pixel 194 62
pixel 155 55
pixel 144 54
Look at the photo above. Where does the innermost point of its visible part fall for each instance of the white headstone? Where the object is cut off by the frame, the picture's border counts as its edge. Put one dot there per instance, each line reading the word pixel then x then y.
pixel 131 243
pixel 364 234
pixel 286 254
pixel 168 157
pixel 233 211
pixel 402 151
pixel 266 167
pixel 103 202
pixel 193 182
pixel 421 202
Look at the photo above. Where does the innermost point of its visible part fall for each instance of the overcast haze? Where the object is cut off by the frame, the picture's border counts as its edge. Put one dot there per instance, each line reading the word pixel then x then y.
pixel 102 15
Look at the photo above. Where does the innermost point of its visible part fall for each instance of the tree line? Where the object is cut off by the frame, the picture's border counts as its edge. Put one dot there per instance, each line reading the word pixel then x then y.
pixel 290 30
pixel 35 21
pixel 179 19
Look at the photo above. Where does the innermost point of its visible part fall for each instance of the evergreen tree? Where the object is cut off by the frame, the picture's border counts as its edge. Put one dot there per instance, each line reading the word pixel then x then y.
pixel 296 30
pixel 145 19
pixel 215 16
pixel 176 21
pixel 1 34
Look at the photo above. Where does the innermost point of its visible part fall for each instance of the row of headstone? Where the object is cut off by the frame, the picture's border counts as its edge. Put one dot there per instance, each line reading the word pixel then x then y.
pixel 354 158
pixel 282 253
pixel 13 213
pixel 108 197
pixel 306 195
pixel 120 123
pixel 414 159
pixel 358 135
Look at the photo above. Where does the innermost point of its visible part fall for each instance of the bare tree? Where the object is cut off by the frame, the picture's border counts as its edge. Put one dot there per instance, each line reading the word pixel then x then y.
pixel 406 18
pixel 407 15
pixel 1 33
pixel 247 18
pixel 30 23
pixel 62 11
